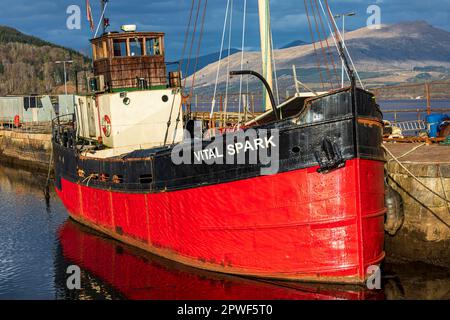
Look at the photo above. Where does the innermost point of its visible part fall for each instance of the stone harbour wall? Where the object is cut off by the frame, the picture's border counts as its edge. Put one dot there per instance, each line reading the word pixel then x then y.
pixel 31 150
pixel 425 234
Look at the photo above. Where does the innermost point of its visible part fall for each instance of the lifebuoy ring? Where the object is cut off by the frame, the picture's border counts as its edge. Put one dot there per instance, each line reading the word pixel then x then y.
pixel 106 126
pixel 17 121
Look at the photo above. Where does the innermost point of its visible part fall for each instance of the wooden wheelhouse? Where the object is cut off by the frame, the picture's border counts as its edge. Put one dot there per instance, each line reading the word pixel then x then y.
pixel 130 60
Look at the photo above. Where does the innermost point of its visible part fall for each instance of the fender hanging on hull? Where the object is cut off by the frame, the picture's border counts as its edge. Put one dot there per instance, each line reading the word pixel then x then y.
pixel 395 216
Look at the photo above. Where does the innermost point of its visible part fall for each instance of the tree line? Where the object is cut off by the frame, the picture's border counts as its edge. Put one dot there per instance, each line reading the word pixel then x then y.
pixel 27 65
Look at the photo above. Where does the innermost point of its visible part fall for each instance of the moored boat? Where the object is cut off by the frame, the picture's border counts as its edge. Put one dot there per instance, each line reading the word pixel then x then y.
pixel 297 194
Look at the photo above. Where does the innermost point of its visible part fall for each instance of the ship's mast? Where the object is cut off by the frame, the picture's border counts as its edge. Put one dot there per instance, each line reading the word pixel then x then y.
pixel 266 47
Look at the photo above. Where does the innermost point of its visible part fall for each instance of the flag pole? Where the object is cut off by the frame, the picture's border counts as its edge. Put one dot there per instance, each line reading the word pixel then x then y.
pixel 89 15
pixel 104 4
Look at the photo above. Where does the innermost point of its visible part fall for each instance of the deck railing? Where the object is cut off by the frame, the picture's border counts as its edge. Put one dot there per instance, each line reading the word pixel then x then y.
pixel 64 130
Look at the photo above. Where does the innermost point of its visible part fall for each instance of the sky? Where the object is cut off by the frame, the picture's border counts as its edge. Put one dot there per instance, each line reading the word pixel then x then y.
pixel 47 19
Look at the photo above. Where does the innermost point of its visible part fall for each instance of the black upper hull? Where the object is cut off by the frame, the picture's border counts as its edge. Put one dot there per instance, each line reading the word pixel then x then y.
pixel 347 122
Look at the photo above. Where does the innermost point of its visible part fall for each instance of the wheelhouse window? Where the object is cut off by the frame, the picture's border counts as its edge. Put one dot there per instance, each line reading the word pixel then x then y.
pixel 136 49
pixel 120 48
pixel 153 46
pixel 98 50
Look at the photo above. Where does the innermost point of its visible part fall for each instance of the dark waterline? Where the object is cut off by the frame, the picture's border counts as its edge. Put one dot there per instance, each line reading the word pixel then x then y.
pixel 38 242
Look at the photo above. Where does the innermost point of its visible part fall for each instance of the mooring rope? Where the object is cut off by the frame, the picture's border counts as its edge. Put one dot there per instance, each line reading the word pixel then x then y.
pixel 49 168
pixel 409 152
pixel 413 176
pixel 443 188
pixel 89 178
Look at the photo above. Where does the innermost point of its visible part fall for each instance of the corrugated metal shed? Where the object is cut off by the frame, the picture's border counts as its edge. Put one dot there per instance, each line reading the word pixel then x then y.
pixel 34 108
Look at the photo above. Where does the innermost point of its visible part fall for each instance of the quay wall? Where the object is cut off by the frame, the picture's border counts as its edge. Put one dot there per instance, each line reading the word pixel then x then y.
pixel 25 149
pixel 425 234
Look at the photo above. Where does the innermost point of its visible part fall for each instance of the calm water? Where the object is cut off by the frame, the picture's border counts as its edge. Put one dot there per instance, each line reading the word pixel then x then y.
pixel 38 243
pixel 411 104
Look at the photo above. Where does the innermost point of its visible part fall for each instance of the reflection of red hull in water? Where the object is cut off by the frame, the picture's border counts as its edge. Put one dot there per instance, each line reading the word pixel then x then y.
pixel 137 275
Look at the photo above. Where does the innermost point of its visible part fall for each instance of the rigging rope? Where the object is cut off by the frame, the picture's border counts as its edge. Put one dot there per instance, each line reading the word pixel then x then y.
pixel 192 42
pixel 196 60
pixel 186 36
pixel 328 49
pixel 180 68
pixel 324 54
pixel 228 61
pixel 213 102
pixel 332 33
pixel 343 44
pixel 242 54
pixel 101 19
pixel 199 46
pixel 314 45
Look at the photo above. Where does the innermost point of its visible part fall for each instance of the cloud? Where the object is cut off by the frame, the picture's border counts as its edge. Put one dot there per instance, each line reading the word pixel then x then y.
pixel 289 22
pixel 47 19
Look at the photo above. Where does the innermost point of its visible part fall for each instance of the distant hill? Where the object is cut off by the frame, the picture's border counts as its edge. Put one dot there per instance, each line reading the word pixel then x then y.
pixel 205 60
pixel 27 64
pixel 295 43
pixel 406 52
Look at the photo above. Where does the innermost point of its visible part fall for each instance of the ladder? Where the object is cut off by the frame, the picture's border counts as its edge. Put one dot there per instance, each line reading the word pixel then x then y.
pixel 409 126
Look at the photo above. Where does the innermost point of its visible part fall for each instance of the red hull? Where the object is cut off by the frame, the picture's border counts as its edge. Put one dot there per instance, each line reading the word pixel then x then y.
pixel 299 225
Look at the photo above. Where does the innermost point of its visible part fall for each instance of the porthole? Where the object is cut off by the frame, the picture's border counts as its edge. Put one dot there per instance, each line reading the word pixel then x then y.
pixel 165 98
